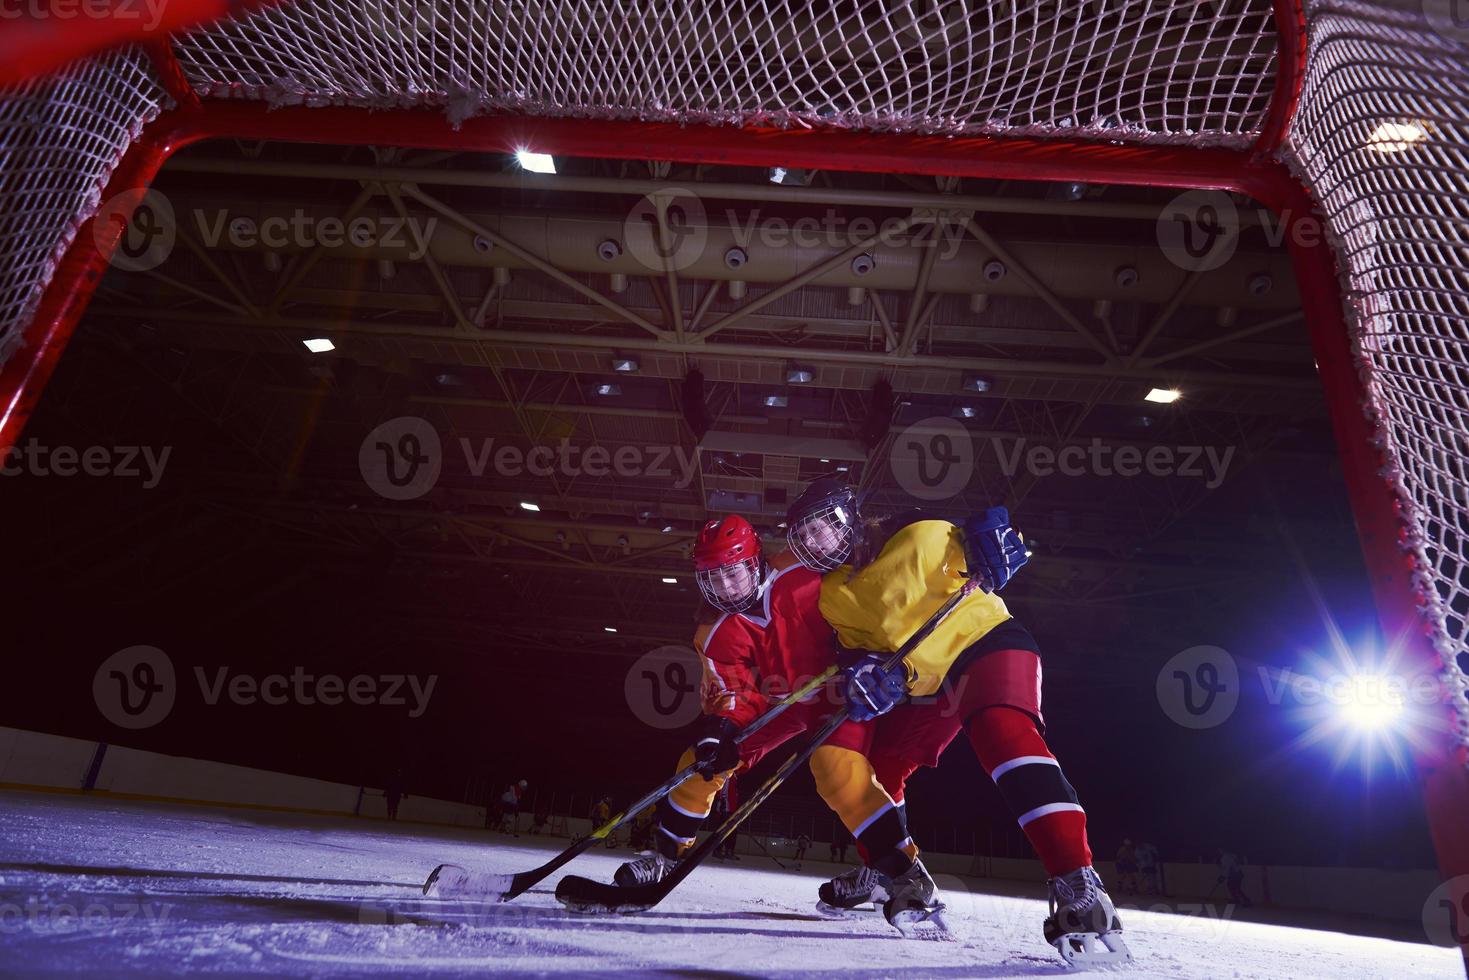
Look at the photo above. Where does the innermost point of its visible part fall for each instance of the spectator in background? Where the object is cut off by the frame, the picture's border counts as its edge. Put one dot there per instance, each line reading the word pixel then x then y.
pixel 642 829
pixel 393 793
pixel 1232 873
pixel 601 813
pixel 1127 868
pixel 802 844
pixel 1148 868
pixel 510 807
pixel 543 814
pixel 839 844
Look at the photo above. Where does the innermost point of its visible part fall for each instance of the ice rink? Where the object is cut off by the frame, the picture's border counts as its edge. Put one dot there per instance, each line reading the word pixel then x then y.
pixel 116 887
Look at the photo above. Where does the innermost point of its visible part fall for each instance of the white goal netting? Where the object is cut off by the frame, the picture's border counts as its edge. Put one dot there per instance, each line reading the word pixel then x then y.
pixel 1187 72
pixel 1382 139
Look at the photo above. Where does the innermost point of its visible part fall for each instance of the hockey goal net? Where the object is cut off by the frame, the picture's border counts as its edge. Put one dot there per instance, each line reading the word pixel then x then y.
pixel 1232 94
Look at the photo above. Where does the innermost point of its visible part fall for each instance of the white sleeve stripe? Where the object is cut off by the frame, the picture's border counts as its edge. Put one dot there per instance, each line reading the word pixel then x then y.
pixel 687 813
pixel 1047 810
pixel 1024 760
pixel 681 840
pixel 723 687
pixel 869 821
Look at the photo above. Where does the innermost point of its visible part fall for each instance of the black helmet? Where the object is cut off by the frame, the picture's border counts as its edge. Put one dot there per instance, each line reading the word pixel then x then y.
pixel 823 524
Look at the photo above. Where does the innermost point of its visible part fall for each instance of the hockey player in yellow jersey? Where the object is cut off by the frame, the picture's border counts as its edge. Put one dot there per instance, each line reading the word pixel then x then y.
pixel 979 671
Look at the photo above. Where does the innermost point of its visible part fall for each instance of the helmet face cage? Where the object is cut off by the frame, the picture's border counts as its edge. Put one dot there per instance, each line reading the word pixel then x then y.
pixel 823 540
pixel 731 588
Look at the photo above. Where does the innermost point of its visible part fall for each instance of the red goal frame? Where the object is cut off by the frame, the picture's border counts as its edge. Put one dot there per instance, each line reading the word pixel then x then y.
pixel 1443 769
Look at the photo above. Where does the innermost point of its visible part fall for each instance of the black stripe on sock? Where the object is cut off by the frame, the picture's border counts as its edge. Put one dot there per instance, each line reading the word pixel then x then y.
pixel 881 839
pixel 678 824
pixel 1027 787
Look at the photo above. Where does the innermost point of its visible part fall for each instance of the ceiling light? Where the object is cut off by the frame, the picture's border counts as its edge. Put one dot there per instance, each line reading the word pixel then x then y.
pixel 670 581
pixel 609 629
pixel 800 375
pixel 826 461
pixel 790 176
pixel 966 412
pixel 527 505
pixel 667 528
pixel 448 380
pixel 776 401
pixel 319 346
pixel 1163 396
pixel 625 364
pixel 1394 137
pixel 536 163
pixel 974 382
pixel 841 469
pixel 609 389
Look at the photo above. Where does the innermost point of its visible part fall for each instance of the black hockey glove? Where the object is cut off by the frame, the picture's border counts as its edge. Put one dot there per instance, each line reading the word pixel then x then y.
pixel 716 751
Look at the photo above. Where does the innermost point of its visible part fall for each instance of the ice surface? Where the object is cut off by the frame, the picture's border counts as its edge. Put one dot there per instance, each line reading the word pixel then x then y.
pixel 120 887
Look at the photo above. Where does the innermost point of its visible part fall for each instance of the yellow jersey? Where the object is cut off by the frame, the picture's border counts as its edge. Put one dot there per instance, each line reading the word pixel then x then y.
pixel 881 606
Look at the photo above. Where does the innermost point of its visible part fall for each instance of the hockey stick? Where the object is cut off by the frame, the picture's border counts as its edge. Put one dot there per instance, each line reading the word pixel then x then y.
pixel 584 895
pixel 766 851
pixel 453 879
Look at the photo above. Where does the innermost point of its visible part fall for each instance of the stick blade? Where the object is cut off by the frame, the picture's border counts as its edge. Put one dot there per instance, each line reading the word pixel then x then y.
pixel 457 881
pixel 590 897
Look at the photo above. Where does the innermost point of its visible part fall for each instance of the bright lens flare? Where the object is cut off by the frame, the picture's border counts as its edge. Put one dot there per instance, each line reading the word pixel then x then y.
pixel 1393 137
pixel 1370 702
pixel 536 163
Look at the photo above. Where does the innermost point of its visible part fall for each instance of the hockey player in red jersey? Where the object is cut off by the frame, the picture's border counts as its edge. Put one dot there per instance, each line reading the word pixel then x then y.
pixel 979 671
pixel 761 635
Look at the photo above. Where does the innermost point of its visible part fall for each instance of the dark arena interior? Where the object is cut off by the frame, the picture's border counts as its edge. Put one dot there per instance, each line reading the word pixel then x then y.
pixel 363 431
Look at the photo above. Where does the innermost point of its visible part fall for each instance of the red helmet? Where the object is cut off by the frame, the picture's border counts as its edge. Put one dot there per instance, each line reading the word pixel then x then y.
pixel 724 541
pixel 727 563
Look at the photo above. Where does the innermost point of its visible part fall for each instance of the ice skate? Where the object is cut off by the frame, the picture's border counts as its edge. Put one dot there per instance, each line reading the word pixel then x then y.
pixel 1083 924
pixel 858 890
pixel 912 907
pixel 647 868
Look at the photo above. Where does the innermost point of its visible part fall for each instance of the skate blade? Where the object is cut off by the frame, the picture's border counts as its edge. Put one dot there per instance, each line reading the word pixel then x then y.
pixel 923 923
pixel 1089 951
pixel 838 912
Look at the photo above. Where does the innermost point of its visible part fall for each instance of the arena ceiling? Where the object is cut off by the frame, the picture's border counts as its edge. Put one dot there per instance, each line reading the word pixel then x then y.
pixel 1030 314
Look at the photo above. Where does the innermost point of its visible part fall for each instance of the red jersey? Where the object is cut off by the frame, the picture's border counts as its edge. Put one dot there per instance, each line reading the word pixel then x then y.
pixel 770 650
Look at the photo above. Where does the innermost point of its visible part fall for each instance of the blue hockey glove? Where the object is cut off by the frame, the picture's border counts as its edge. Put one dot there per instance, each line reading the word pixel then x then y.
pixel 994 549
pixel 716 750
pixel 873 691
